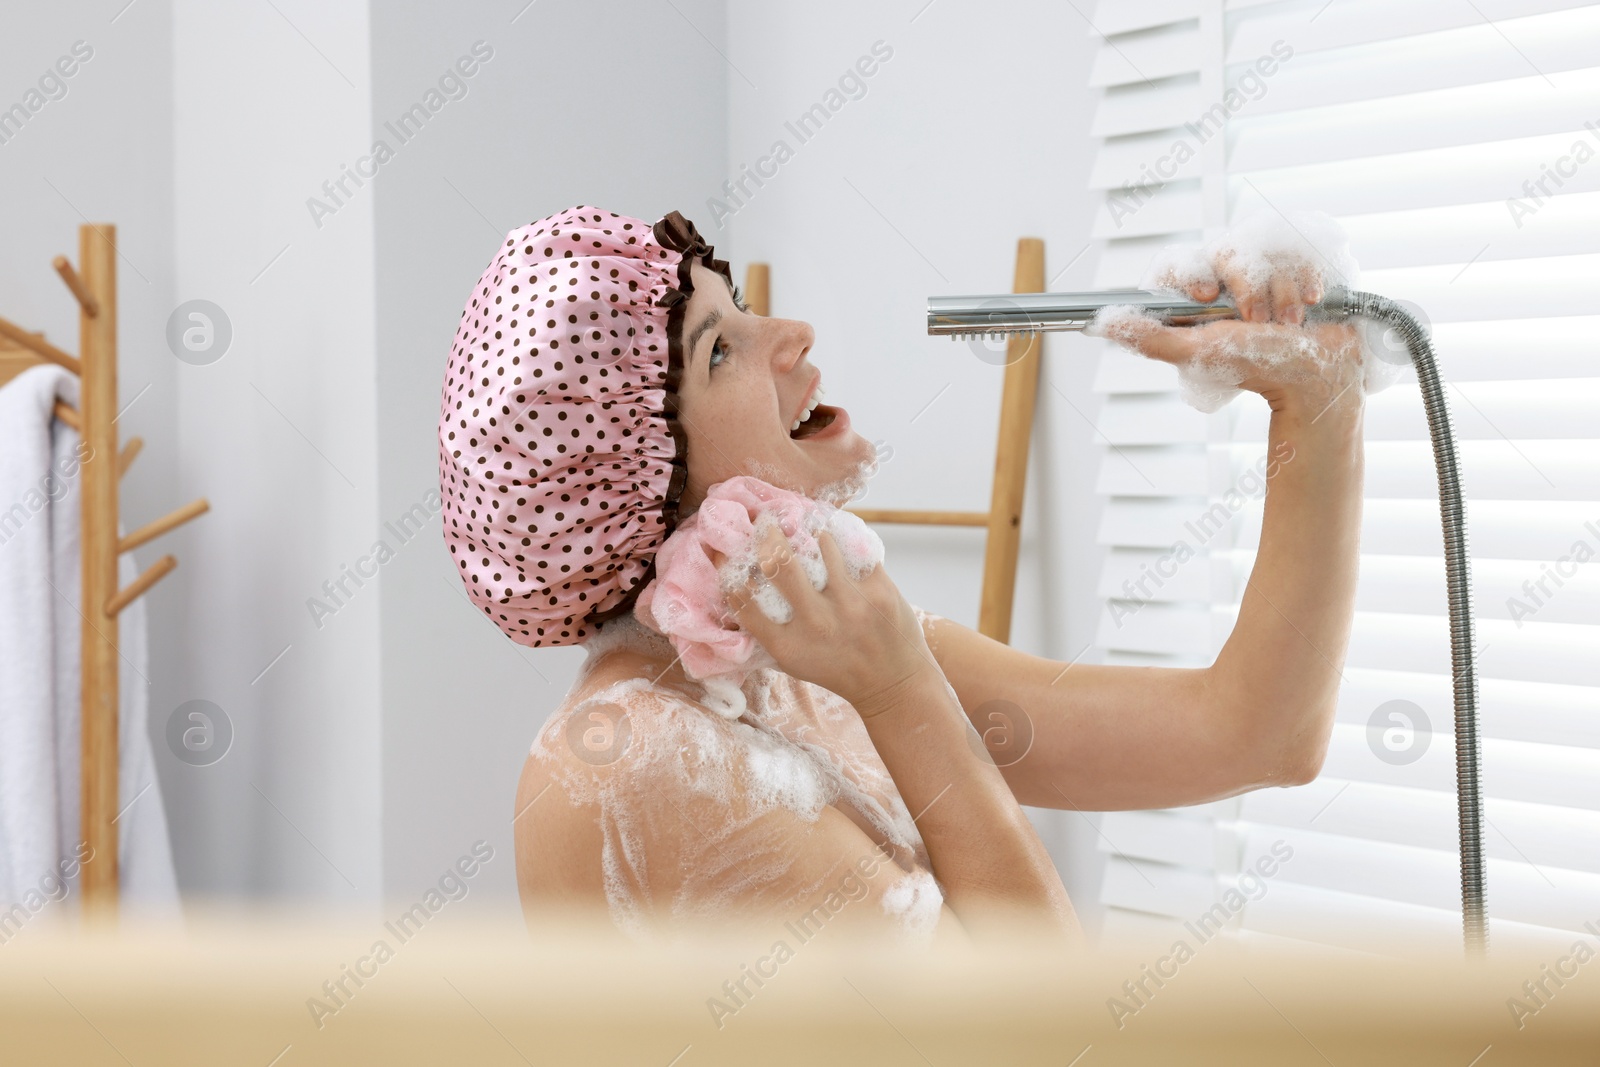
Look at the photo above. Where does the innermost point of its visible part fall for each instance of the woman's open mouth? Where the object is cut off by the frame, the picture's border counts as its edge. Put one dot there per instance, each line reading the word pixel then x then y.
pixel 823 421
pixel 820 418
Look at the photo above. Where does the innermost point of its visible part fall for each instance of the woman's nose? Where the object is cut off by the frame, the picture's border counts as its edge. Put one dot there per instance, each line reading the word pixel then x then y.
pixel 793 341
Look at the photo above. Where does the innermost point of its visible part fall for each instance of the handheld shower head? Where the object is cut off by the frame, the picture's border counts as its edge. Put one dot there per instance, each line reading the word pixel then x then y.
pixel 1004 314
pixel 1000 315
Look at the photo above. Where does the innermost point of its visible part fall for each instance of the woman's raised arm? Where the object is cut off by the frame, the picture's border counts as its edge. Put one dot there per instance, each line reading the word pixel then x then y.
pixel 1107 737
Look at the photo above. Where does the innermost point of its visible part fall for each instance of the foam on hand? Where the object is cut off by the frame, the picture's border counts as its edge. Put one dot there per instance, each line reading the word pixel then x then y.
pixel 1309 245
pixel 687 600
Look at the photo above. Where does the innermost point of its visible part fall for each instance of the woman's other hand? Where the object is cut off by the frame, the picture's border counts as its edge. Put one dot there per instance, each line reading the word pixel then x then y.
pixel 859 639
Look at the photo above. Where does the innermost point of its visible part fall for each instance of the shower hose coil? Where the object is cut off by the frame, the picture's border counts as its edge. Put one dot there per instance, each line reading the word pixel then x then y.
pixel 1464 675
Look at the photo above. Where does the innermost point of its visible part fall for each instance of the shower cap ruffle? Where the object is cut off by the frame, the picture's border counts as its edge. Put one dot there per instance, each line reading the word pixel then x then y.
pixel 561 458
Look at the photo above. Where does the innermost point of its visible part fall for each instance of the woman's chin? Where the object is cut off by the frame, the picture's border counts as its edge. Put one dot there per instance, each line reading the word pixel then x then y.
pixel 837 461
pixel 846 478
pixel 861 448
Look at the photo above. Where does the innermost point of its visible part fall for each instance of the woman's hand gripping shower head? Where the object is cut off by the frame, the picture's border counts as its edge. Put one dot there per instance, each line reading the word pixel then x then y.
pixel 1273 267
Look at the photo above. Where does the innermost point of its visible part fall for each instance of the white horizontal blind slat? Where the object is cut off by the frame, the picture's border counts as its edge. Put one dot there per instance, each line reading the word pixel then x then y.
pixel 1156 888
pixel 1125 16
pixel 1540 712
pixel 1133 109
pixel 1455 233
pixel 1404 874
pixel 1535 773
pixel 1502 114
pixel 1363 923
pixel 1167 836
pixel 1357 22
pixel 1147 54
pixel 1427 819
pixel 1424 178
pixel 1545 45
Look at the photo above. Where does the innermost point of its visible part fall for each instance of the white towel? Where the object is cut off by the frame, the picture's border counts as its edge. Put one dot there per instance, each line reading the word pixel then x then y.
pixel 40 713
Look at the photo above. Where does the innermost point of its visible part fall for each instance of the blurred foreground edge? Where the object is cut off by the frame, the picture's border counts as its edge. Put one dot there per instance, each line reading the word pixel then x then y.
pixel 282 990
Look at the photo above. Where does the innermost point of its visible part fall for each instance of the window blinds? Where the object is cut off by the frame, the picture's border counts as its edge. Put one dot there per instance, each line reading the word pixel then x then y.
pixel 1459 145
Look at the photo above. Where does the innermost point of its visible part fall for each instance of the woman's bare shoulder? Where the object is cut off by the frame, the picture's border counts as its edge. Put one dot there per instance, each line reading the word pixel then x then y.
pixel 617 733
pixel 556 820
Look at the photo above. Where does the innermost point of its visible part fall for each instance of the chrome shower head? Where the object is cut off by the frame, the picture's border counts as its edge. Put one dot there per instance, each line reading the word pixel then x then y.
pixel 1008 313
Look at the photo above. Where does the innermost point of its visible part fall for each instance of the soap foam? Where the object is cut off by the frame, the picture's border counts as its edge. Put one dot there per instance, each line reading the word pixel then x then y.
pixel 841 492
pixel 723 695
pixel 833 496
pixel 682 773
pixel 687 809
pixel 1314 247
pixel 915 902
pixel 859 547
pixel 838 492
pixel 622 632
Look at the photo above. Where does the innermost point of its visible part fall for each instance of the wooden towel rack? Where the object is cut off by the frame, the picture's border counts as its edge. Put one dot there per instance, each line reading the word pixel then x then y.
pixel 102 466
pixel 1018 397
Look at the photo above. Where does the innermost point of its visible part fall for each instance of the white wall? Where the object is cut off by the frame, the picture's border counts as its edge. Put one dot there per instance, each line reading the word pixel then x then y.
pixel 280 434
pixel 972 134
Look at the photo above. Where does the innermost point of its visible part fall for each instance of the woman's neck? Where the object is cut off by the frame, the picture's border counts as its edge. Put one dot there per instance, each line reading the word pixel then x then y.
pixel 627 632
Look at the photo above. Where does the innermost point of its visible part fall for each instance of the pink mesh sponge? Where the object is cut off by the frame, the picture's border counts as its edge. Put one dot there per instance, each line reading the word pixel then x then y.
pixel 687 600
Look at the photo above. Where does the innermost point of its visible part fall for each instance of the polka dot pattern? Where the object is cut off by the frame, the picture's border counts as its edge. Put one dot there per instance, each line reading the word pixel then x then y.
pixel 561 460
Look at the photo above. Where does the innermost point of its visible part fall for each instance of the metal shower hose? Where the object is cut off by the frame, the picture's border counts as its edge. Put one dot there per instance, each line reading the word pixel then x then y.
pixel 1458 581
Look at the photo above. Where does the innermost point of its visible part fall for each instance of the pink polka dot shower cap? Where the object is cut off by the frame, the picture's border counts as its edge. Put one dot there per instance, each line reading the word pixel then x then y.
pixel 561 459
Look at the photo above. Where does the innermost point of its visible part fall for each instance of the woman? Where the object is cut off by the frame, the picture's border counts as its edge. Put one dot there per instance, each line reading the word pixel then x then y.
pixel 605 375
